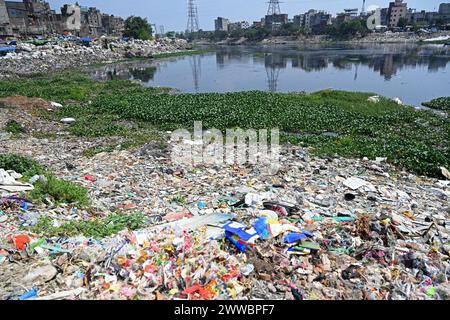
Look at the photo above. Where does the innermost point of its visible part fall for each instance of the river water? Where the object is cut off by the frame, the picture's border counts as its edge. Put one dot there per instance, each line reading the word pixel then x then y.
pixel 414 73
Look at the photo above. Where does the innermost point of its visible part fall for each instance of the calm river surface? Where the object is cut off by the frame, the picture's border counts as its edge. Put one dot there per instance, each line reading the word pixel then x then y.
pixel 414 73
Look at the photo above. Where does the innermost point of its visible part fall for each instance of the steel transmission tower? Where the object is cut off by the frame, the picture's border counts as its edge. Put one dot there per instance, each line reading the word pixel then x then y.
pixel 363 10
pixel 192 25
pixel 274 7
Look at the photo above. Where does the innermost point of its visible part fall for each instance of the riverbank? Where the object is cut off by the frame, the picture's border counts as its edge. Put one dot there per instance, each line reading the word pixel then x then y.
pixel 373 38
pixel 361 128
pixel 342 226
pixel 29 60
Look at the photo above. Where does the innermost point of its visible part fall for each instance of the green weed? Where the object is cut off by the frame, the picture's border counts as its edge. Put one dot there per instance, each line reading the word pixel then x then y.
pixel 59 190
pixel 14 127
pixel 411 139
pixel 439 103
pixel 95 228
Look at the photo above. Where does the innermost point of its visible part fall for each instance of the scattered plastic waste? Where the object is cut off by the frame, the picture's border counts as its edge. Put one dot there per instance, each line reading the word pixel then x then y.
pixel 240 235
pixel 294 237
pixel 201 205
pixel 40 56
pixel 247 269
pixel 68 120
pixel 374 99
pixel 90 178
pixel 9 183
pixel 21 241
pixel 29 295
pixel 336 229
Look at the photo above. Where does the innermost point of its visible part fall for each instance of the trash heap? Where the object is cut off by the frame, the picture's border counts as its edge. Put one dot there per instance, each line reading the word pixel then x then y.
pixel 257 246
pixel 31 59
pixel 318 228
pixel 147 49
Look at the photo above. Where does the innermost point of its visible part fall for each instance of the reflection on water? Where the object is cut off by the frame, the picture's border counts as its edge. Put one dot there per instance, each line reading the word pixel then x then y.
pixel 196 67
pixel 144 72
pixel 412 72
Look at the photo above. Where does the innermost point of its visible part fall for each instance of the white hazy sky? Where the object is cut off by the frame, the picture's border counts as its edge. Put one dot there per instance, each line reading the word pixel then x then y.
pixel 172 13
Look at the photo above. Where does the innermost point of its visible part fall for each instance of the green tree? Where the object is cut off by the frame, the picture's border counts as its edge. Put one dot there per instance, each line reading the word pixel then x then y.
pixel 171 34
pixel 180 35
pixel 257 34
pixel 237 33
pixel 218 35
pixel 332 30
pixel 138 28
pixel 348 29
pixel 402 23
pixel 287 29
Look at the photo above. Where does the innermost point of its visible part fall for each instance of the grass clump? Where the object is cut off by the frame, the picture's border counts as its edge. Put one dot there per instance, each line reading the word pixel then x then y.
pixel 25 166
pixel 14 127
pixel 439 103
pixel 64 87
pixel 95 228
pixel 59 190
pixel 179 54
pixel 180 200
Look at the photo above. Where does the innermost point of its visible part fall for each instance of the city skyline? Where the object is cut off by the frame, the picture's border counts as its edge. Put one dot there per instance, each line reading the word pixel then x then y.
pixel 173 14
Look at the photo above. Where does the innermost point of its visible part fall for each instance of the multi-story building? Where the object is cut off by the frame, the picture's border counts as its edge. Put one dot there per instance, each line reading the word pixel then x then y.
pixel 240 25
pixel 299 20
pixel 320 21
pixel 384 13
pixel 69 19
pixel 309 18
pixel 40 17
pixel 30 17
pixel 274 21
pixel 426 18
pixel 397 10
pixel 112 25
pixel 5 24
pixel 221 24
pixel 313 20
pixel 35 17
pixel 444 8
pixel 257 24
pixel 18 16
pixel 444 12
pixel 353 12
pixel 91 22
pixel 347 15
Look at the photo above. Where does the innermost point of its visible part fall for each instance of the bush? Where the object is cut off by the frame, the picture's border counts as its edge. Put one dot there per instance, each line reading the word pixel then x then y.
pixel 439 103
pixel 25 166
pixel 96 228
pixel 14 127
pixel 59 190
pixel 138 28
pixel 348 29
